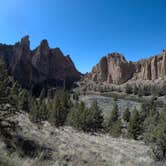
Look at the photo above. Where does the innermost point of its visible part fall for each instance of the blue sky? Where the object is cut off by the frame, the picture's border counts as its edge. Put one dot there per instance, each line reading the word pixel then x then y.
pixel 88 29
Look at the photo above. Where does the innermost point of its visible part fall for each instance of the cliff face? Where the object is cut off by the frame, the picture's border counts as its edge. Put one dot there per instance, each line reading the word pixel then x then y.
pixel 43 64
pixel 152 68
pixel 115 69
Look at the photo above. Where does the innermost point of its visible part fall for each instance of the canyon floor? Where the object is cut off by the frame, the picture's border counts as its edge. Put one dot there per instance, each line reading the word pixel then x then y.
pixel 107 103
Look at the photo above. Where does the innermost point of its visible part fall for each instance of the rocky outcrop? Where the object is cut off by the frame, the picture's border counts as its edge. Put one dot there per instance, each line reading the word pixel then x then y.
pixel 152 68
pixel 40 60
pixel 115 69
pixel 42 65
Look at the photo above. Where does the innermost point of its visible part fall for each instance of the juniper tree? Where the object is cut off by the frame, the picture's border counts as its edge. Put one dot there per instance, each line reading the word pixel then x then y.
pixel 35 111
pixel 42 94
pixel 114 114
pixel 126 115
pixel 23 102
pixel 97 117
pixel 135 90
pixel 129 89
pixel 134 128
pixel 114 122
pixel 13 94
pixel 4 81
pixel 156 135
pixel 86 119
pixel 60 109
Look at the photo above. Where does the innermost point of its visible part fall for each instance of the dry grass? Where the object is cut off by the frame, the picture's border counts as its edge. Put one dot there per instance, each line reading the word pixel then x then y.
pixel 73 148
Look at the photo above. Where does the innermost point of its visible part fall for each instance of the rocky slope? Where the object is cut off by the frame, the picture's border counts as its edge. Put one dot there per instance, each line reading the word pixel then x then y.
pixel 29 144
pixel 42 65
pixel 115 69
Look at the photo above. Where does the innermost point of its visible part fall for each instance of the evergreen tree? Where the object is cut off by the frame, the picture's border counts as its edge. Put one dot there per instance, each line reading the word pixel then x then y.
pixel 50 94
pixel 116 130
pixel 114 114
pixel 114 122
pixel 76 96
pixel 75 117
pixel 134 129
pixel 129 89
pixel 42 94
pixel 140 91
pixel 60 109
pixel 144 111
pixel 161 133
pixel 35 111
pixel 135 90
pixel 147 90
pixel 126 115
pixel 4 81
pixel 13 94
pixel 24 101
pixel 156 135
pixel 86 119
pixel 43 111
pixel 97 119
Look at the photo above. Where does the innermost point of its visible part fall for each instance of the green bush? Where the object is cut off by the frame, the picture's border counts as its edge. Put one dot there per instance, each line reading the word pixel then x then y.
pixel 129 89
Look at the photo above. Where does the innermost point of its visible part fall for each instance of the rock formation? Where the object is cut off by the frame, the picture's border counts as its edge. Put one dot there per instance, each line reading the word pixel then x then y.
pixel 115 69
pixel 38 66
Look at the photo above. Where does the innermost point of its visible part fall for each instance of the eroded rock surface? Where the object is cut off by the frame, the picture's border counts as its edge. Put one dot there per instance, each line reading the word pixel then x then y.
pixel 40 65
pixel 115 69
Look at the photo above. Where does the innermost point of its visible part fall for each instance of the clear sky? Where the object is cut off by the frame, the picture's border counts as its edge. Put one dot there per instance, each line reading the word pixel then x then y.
pixel 87 29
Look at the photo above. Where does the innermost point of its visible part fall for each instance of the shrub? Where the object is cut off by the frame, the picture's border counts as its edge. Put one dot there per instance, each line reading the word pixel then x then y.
pixel 135 90
pixel 146 90
pixel 129 89
pixel 75 96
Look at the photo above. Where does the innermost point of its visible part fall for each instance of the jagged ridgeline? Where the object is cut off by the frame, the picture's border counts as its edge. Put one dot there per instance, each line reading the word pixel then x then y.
pixel 40 68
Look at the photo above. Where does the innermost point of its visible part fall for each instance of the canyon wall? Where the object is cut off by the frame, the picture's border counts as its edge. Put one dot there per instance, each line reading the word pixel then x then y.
pixel 114 68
